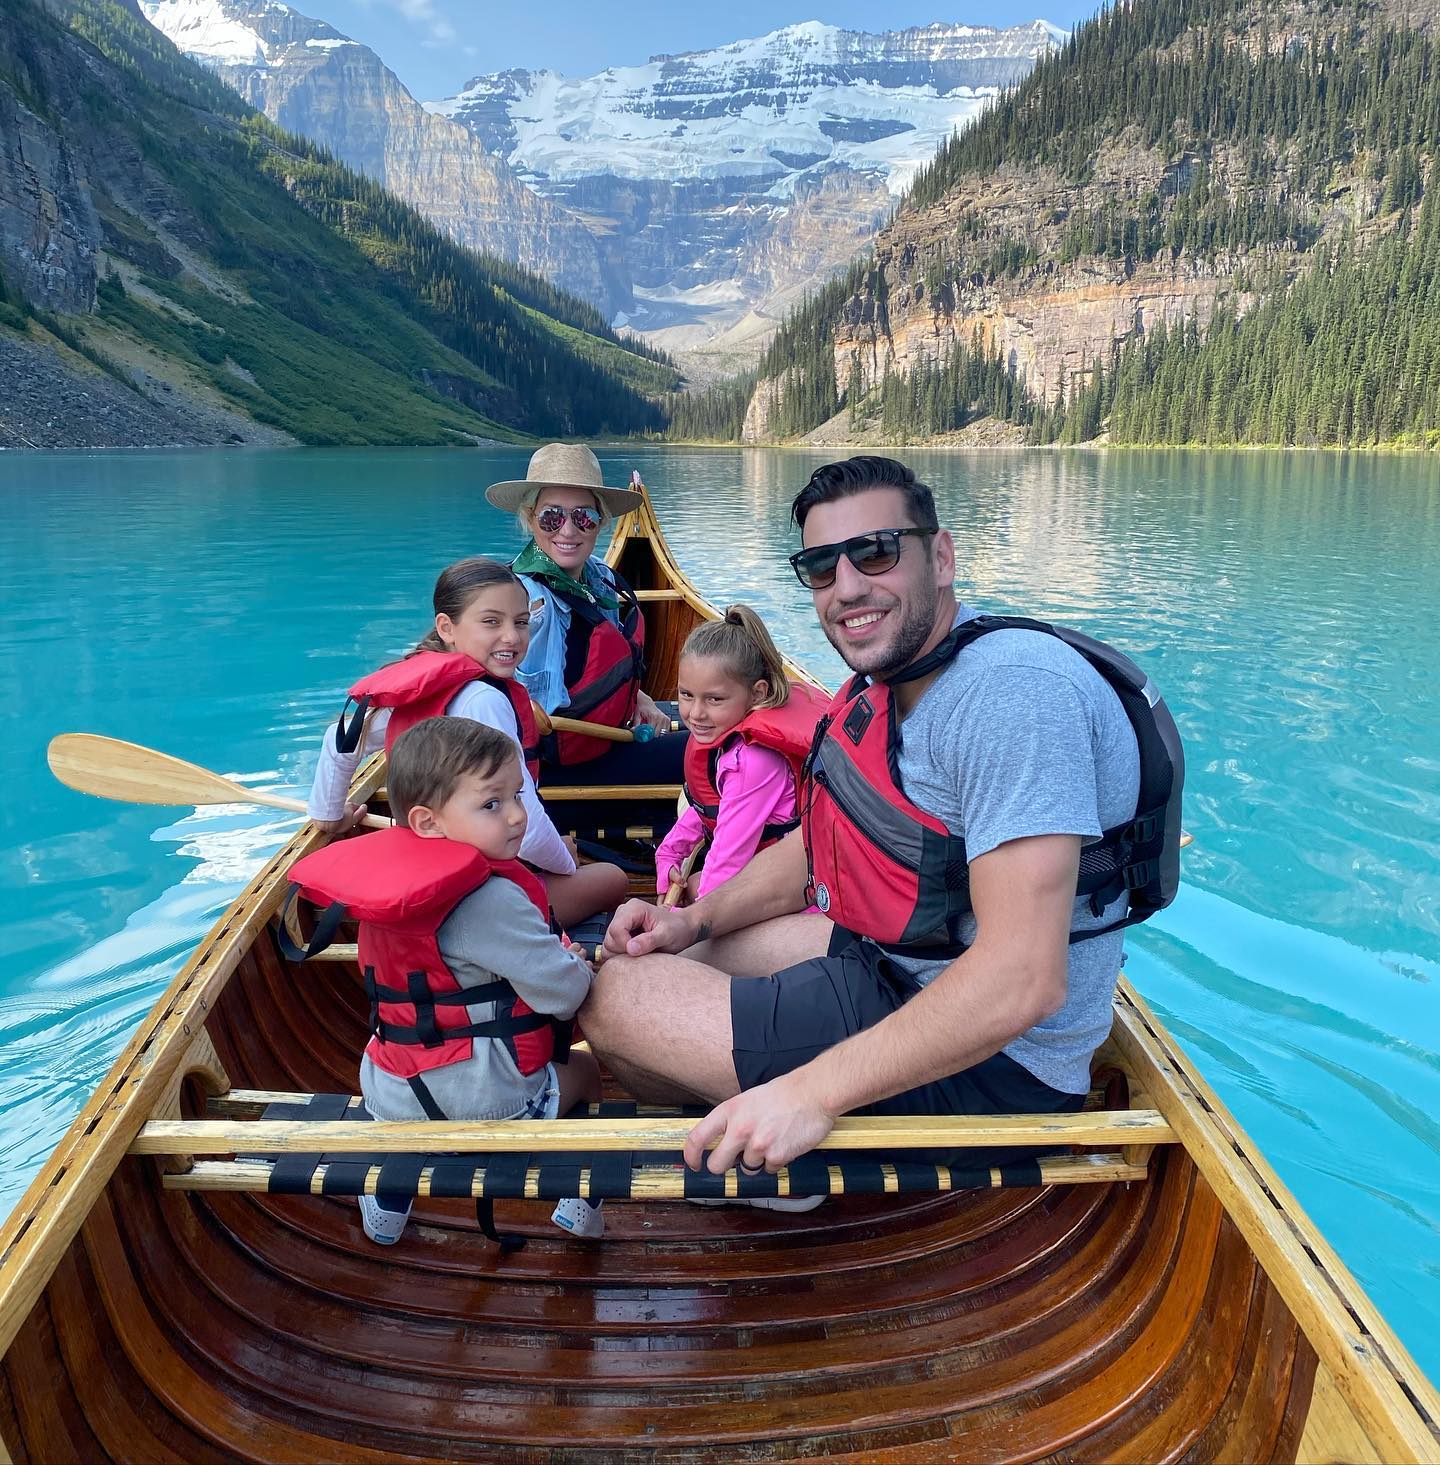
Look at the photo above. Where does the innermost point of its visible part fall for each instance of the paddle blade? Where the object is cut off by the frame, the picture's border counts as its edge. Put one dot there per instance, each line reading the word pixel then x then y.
pixel 112 769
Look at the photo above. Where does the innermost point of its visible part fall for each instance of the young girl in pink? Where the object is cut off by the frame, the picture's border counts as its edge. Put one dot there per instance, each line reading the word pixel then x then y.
pixel 750 729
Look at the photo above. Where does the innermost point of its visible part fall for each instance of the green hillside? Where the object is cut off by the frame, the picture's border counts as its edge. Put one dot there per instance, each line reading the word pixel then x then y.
pixel 285 284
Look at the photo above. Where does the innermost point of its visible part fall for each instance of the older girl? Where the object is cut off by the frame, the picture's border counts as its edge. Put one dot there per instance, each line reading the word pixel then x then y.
pixel 464 667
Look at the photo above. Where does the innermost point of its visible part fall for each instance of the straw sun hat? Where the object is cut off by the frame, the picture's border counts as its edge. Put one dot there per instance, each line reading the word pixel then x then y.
pixel 562 465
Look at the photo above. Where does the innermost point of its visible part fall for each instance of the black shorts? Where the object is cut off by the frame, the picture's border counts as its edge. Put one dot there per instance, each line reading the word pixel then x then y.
pixel 781 1022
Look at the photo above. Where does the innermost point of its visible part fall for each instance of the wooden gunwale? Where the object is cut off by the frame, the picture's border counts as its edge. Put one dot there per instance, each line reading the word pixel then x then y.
pixel 1393 1401
pixel 1368 1392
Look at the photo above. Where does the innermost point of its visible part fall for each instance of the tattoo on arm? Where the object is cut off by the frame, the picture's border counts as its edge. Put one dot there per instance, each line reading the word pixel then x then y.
pixel 702 932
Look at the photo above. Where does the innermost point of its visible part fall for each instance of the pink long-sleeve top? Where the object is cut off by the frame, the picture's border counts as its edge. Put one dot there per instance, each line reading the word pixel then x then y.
pixel 756 788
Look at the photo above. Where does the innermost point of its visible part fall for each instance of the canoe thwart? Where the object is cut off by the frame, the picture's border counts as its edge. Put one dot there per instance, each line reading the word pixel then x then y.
pixel 876 1132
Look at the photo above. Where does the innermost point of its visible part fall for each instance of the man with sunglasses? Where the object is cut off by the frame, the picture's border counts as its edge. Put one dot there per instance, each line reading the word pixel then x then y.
pixel 1018 747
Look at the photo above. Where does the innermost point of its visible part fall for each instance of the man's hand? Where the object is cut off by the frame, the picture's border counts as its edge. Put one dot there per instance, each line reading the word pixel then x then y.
pixel 762 1128
pixel 647 712
pixel 638 928
pixel 345 824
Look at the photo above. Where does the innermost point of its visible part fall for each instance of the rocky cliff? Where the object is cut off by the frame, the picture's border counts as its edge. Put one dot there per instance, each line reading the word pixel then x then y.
pixel 313 81
pixel 1082 217
pixel 49 230
pixel 1052 319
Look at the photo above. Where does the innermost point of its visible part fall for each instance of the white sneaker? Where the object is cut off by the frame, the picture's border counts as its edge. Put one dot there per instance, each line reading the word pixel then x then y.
pixel 580 1218
pixel 761 1202
pixel 382 1226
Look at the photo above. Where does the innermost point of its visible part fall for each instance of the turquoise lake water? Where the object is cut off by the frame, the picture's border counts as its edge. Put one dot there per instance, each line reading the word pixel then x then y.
pixel 216 604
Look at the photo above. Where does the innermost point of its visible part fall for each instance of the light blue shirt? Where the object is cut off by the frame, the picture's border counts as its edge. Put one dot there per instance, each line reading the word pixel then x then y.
pixel 542 672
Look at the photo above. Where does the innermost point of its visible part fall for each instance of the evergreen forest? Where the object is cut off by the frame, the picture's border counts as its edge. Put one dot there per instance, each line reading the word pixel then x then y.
pixel 1325 331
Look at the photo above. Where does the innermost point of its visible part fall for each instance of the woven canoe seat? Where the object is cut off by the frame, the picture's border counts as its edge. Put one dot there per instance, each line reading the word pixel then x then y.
pixel 611 1172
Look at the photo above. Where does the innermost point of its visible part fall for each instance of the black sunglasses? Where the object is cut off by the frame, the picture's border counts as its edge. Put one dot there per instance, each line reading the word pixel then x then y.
pixel 551 519
pixel 871 554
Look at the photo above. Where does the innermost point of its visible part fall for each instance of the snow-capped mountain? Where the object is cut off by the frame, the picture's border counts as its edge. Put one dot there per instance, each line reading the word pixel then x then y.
pixel 315 81
pixel 729 179
pixel 693 197
pixel 799 99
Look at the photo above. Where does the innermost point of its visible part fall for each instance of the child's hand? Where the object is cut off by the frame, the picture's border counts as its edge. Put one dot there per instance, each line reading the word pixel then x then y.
pixel 576 949
pixel 679 890
pixel 347 823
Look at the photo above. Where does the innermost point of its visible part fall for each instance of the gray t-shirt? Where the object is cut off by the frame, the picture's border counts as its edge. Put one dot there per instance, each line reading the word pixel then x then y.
pixel 1021 736
pixel 495 929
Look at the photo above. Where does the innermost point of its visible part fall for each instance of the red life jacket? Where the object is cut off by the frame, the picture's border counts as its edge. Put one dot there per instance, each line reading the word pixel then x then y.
pixel 611 659
pixel 401 888
pixel 422 686
pixel 789 730
pixel 883 867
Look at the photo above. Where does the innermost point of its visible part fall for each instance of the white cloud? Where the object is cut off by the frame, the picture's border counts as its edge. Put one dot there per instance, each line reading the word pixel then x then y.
pixel 424 14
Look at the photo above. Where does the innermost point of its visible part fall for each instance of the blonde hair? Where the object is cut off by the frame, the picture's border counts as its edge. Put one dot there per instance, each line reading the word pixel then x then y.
pixel 526 512
pixel 743 646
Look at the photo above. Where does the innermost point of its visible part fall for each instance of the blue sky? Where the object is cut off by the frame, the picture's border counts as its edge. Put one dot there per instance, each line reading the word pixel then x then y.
pixel 435 46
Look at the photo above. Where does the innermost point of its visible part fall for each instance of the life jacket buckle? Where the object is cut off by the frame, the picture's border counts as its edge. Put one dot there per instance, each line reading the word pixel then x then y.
pixel 1138 875
pixel 1143 831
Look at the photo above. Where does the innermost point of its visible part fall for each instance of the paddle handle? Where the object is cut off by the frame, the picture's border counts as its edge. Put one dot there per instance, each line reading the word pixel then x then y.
pixel 546 724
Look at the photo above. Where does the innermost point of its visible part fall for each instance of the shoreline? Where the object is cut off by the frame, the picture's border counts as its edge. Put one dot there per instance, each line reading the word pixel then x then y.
pixel 617 444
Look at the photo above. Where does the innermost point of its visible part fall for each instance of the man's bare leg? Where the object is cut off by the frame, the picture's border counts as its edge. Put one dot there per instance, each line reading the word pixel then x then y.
pixel 767 947
pixel 662 1023
pixel 666 1018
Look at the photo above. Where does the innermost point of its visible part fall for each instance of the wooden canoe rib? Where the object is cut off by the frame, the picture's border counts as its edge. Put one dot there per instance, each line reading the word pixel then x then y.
pixel 1193 1315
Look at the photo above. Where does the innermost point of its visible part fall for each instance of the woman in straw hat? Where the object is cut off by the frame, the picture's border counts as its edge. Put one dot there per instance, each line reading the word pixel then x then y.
pixel 587 639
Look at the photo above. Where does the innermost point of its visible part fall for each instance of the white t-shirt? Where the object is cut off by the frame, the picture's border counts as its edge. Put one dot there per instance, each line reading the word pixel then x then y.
pixel 480 702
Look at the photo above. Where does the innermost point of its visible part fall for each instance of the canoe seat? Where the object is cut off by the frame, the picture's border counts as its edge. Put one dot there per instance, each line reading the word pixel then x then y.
pixel 619 1150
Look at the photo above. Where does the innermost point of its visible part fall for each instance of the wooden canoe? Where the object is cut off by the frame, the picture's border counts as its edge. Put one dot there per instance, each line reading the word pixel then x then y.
pixel 1189 1311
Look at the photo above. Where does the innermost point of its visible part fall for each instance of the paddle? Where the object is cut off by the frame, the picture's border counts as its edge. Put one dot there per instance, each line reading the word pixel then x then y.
pixel 112 769
pixel 545 725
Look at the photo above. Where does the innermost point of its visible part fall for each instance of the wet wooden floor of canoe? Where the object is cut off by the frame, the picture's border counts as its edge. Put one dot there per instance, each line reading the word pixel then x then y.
pixel 1097 1322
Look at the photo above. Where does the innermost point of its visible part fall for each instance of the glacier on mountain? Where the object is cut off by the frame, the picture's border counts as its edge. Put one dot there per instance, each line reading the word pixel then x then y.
pixel 802 100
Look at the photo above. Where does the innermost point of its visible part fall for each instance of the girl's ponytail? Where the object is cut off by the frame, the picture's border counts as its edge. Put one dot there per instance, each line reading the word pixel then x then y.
pixel 743 645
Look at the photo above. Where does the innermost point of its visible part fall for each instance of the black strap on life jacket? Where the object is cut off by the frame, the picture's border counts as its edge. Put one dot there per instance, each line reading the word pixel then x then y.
pixel 426 1031
pixel 348 734
pixel 484 1205
pixel 325 928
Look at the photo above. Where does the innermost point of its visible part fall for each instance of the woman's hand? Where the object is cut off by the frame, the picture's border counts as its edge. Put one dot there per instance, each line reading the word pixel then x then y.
pixel 347 823
pixel 647 712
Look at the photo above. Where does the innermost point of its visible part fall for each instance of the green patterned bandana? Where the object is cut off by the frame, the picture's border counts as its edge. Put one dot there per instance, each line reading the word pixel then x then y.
pixel 533 561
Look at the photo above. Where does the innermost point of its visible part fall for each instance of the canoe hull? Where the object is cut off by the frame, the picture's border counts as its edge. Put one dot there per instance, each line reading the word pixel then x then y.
pixel 1196 1314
